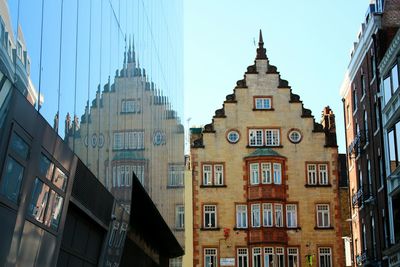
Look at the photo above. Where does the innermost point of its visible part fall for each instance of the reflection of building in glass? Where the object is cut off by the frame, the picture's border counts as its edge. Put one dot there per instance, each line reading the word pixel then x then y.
pixel 277 170
pixel 14 59
pixel 130 127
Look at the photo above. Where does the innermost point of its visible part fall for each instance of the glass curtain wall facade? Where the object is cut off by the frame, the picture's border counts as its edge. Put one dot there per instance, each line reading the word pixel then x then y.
pixel 111 74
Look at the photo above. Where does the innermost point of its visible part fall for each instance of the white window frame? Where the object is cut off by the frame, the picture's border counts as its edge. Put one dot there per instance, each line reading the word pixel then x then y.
pixel 266 171
pixel 280 257
pixel 210 256
pixel 272 137
pixel 256 215
pixel 254 173
pixel 278 215
pixel 241 216
pixel 257 257
pixel 312 174
pixel 175 175
pixel 263 103
pixel 277 173
pixel 210 211
pixel 242 257
pixel 323 216
pixel 118 140
pixel 218 174
pixel 293 256
pixel 268 215
pixel 207 174
pixel 323 174
pixel 180 216
pixel 269 256
pixel 256 137
pixel 291 215
pixel 325 256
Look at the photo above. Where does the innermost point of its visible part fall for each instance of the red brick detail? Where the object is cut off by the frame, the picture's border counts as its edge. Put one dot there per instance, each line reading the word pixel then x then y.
pixel 268 235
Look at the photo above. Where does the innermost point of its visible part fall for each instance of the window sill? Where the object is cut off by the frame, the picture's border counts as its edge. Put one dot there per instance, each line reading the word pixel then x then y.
pixel 175 186
pixel 179 229
pixel 210 229
pixel 317 185
pixel 127 149
pixel 240 229
pixel 263 109
pixel 261 184
pixel 129 112
pixel 213 186
pixel 298 228
pixel 278 146
pixel 323 228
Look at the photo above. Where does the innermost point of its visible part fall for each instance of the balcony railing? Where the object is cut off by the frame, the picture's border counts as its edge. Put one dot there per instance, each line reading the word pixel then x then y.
pixel 359 141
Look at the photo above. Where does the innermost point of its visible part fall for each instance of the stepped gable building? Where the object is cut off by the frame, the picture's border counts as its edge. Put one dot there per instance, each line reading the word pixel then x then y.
pixel 367 129
pixel 265 179
pixel 129 128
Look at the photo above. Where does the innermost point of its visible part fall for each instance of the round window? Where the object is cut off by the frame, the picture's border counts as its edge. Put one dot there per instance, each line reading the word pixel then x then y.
pixel 233 136
pixel 294 136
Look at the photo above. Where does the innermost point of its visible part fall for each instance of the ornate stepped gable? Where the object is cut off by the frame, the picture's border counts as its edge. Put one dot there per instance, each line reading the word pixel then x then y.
pixel 283 84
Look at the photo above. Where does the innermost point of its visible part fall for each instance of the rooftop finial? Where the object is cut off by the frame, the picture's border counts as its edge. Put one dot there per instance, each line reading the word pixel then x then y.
pixel 261 52
pixel 129 51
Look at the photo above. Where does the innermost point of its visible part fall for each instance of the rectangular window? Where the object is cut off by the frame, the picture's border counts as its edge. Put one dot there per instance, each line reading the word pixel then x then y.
pixel 255 215
pixel 268 257
pixel 53 212
pixel 278 215
pixel 242 257
pixel 317 174
pixel 277 173
pixel 312 174
pixel 323 174
pixel 256 137
pixel 272 137
pixel 218 174
pixel 180 216
pixel 38 201
pixel 241 216
pixel 210 257
pixel 210 216
pixel 266 173
pixel 291 215
pixel 207 179
pixel 254 173
pixel 46 167
pixel 213 174
pixel 130 106
pixel 323 220
pixel 256 257
pixel 10 184
pixel 293 257
pixel 267 215
pixel 280 257
pixel 118 140
pixel 263 103
pixel 175 175
pixel 324 257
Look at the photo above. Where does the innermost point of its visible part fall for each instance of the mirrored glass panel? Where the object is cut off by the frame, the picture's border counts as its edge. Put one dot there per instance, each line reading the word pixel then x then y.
pixel 60 179
pixel 54 210
pixel 10 184
pixel 46 167
pixel 38 202
pixel 19 146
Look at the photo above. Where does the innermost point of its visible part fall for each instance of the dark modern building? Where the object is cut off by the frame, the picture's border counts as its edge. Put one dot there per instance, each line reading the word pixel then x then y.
pixel 362 102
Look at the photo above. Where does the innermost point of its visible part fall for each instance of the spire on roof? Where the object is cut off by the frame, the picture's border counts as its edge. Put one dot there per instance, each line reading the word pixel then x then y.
pixel 129 51
pixel 261 52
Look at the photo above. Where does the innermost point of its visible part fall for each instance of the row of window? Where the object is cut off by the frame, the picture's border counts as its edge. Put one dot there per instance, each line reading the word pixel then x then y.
pixel 128 140
pixel 266 215
pixel 131 106
pixel 46 200
pixel 122 174
pixel 268 257
pixel 264 137
pixel 264 173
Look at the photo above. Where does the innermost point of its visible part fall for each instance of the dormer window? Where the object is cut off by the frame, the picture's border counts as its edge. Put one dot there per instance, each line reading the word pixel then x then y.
pixel 262 102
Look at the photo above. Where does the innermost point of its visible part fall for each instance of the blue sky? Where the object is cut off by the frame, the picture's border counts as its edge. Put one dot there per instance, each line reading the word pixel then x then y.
pixel 309 42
